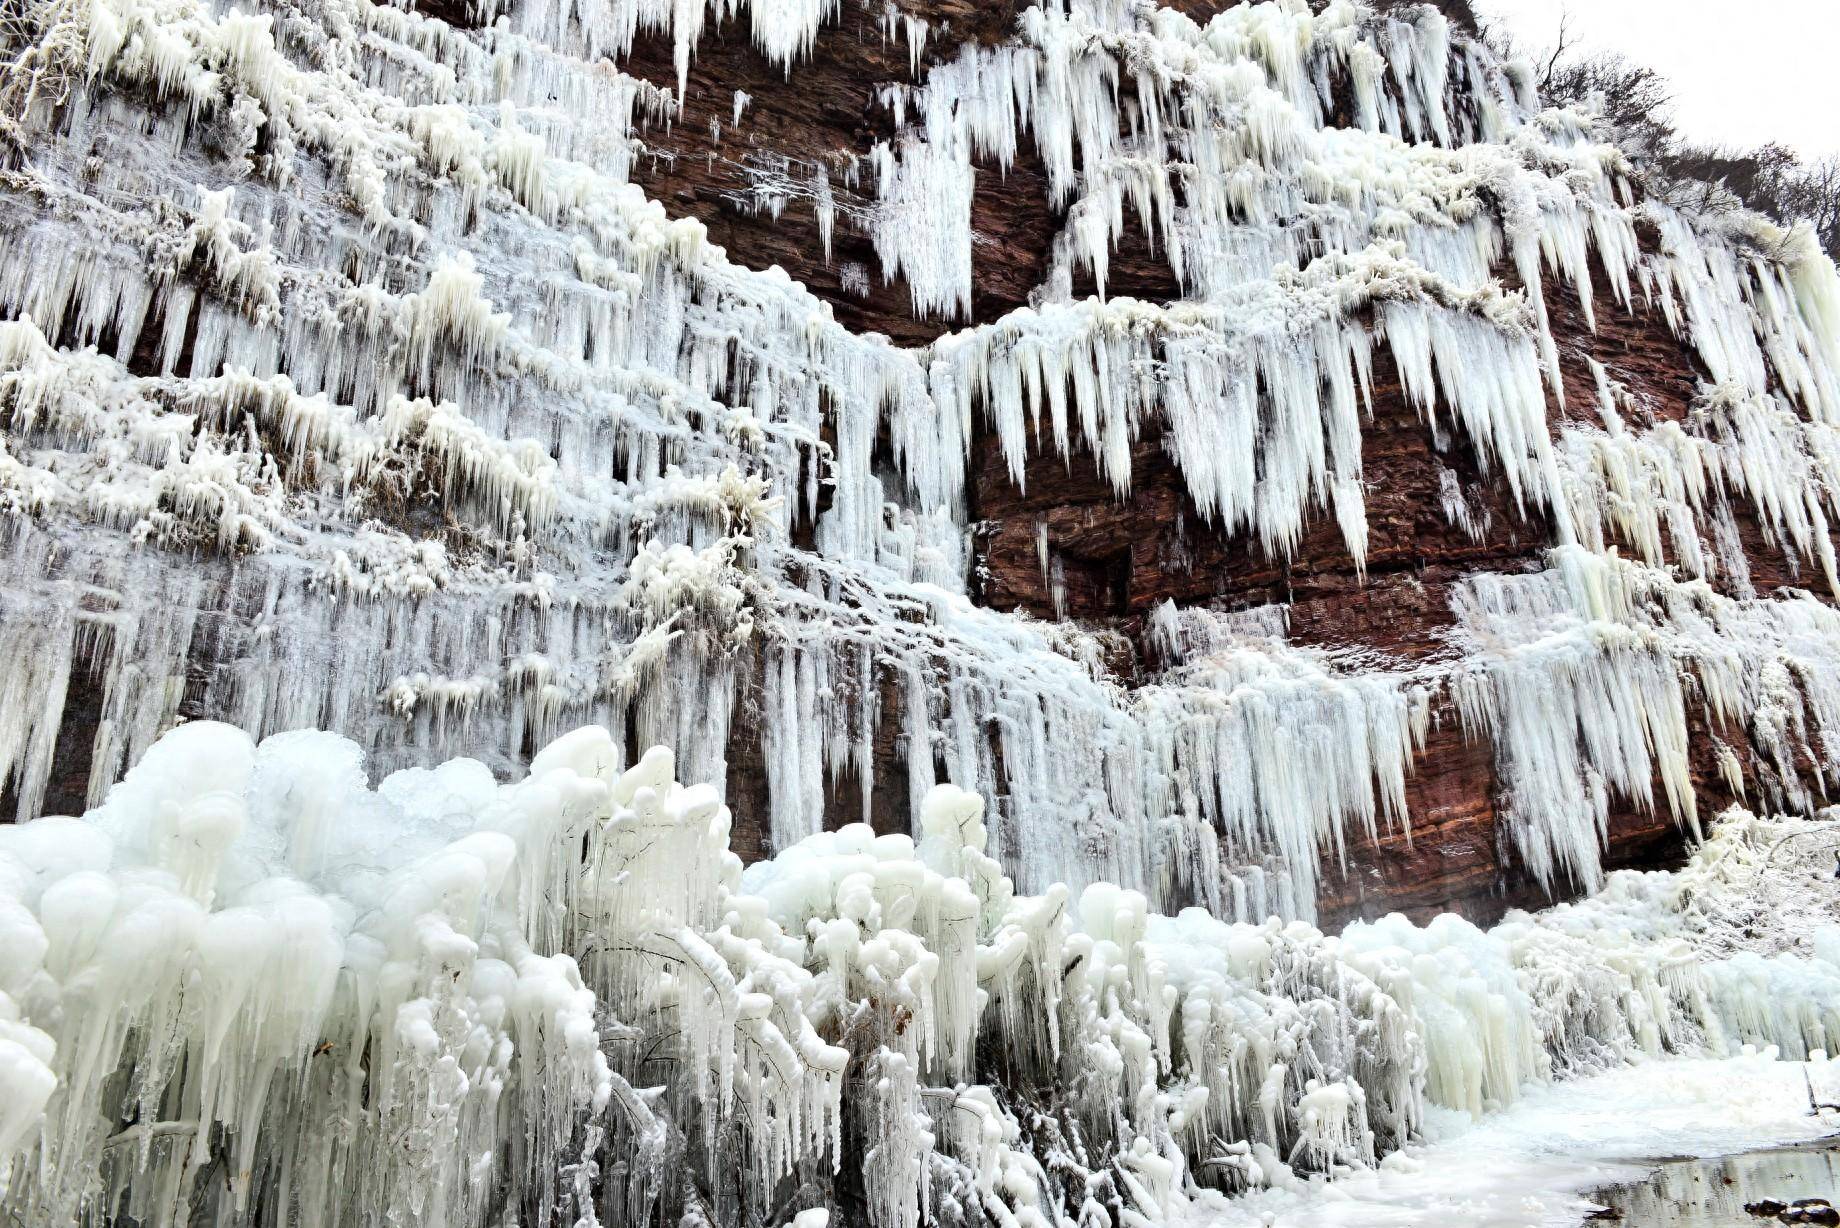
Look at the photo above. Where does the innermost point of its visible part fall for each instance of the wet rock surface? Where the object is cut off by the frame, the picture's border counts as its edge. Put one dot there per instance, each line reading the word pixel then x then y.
pixel 1118 557
pixel 1790 1185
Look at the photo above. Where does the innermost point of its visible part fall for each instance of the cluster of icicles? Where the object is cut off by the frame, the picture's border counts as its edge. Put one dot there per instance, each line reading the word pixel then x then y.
pixel 249 989
pixel 408 416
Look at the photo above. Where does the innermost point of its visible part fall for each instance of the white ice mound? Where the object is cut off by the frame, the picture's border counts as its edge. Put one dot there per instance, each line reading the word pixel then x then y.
pixel 250 982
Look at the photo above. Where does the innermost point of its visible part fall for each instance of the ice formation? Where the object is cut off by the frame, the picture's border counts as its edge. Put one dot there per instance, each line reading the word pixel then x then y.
pixel 348 383
pixel 380 401
pixel 249 988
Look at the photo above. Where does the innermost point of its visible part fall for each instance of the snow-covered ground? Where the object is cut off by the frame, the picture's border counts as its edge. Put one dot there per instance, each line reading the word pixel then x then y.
pixel 1535 1163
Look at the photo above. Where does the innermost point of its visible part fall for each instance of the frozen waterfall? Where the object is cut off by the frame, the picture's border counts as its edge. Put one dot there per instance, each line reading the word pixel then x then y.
pixel 350 383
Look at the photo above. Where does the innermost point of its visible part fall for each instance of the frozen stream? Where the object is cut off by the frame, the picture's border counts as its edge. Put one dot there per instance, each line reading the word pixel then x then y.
pixel 1540 1162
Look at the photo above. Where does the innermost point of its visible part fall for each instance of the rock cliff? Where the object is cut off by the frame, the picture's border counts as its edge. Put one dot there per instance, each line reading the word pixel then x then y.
pixel 1083 497
pixel 1115 557
pixel 1232 439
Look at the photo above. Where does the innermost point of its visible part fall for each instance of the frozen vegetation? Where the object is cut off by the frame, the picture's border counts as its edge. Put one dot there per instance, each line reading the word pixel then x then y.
pixel 347 383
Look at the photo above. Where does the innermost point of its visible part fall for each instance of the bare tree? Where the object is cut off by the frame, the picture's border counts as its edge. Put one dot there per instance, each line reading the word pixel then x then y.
pixel 1563 47
pixel 1814 194
pixel 1634 103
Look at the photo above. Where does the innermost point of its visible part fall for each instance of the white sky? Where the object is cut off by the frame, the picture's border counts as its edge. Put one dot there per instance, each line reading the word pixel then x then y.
pixel 1743 71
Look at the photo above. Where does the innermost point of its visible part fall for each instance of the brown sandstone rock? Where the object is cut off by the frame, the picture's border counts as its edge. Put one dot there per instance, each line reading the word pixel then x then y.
pixel 1119 558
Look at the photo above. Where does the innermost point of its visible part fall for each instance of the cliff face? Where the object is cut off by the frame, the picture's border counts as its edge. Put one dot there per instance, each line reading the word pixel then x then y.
pixel 1231 440
pixel 1059 542
pixel 1071 493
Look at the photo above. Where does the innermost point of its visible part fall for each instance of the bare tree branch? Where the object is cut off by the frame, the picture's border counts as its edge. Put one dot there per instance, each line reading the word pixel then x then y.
pixel 1566 42
pixel 1633 105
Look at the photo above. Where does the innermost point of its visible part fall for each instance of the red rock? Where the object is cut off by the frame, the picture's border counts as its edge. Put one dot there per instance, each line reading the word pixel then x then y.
pixel 1122 557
